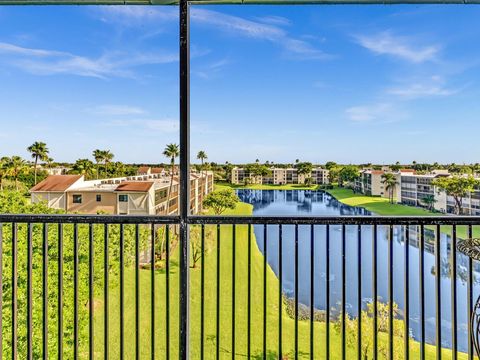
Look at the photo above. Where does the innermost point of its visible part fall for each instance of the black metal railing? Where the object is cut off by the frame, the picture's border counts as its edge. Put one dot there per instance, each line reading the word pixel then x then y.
pixel 109 287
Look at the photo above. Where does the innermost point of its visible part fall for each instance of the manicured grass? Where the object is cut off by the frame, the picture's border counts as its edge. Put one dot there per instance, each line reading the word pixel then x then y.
pixel 382 206
pixel 241 290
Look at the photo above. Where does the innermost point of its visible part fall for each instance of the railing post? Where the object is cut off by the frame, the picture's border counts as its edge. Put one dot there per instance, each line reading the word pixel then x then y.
pixel 184 178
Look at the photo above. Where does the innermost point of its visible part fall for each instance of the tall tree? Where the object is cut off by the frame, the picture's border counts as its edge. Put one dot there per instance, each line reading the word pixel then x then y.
pixel 16 166
pixel 304 168
pixel 202 156
pixel 457 187
pixel 348 173
pixel 3 170
pixel 107 159
pixel 98 156
pixel 84 167
pixel 39 151
pixel 172 151
pixel 390 182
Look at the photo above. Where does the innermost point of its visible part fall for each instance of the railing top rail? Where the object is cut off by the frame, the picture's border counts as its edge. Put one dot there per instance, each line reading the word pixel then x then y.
pixel 88 219
pixel 227 220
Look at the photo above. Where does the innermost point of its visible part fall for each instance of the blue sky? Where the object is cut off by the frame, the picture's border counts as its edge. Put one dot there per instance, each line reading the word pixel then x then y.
pixel 353 84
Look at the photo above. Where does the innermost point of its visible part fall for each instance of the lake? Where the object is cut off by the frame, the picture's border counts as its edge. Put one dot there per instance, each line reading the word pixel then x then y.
pixel 319 203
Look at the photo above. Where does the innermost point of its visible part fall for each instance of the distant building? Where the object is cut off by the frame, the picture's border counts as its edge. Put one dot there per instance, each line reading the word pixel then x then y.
pixel 134 195
pixel 279 176
pixel 370 182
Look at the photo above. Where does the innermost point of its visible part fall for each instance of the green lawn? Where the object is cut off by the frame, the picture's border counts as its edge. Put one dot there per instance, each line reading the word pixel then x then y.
pixel 225 312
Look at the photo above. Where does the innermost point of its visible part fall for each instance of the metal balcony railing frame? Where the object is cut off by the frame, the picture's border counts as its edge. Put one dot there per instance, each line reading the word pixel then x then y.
pixel 185 219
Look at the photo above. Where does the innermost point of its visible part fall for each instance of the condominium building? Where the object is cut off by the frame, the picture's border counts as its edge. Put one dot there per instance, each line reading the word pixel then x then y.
pixel 279 176
pixel 134 195
pixel 370 182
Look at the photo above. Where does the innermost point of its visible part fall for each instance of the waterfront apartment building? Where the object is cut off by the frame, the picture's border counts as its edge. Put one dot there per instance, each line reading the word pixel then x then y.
pixel 279 176
pixel 133 195
pixel 370 182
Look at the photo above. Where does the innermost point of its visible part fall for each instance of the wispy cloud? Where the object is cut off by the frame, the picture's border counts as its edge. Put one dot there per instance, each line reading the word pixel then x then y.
pixel 432 87
pixel 385 43
pixel 115 110
pixel 269 28
pixel 258 30
pixel 378 112
pixel 50 62
pixel 166 125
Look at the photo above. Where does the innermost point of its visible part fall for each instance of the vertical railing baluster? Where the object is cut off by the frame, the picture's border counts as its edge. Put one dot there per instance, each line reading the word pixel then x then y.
pixel 280 290
pixel 421 271
pixel 438 301
pixel 327 292
pixel 265 252
pixel 375 291
pixel 249 291
pixel 91 292
pixel 359 292
pixel 390 293
pixel 234 246
pixel 344 293
pixel 296 291
pixel 137 292
pixel 152 292
pixel 407 293
pixel 470 299
pixel 453 253
pixel 122 292
pixel 44 293
pixel 217 349
pixel 106 271
pixel 202 294
pixel 75 291
pixel 29 293
pixel 14 291
pixel 60 293
pixel 167 290
pixel 312 289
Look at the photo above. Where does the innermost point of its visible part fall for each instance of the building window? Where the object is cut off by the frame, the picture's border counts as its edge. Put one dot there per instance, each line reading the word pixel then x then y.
pixel 99 198
pixel 123 198
pixel 77 199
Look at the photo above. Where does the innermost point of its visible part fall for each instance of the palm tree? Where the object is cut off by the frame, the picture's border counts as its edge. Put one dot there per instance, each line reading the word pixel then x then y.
pixel 49 162
pixel 3 170
pixel 39 151
pixel 430 201
pixel 16 166
pixel 390 181
pixel 83 167
pixel 202 156
pixel 98 156
pixel 107 158
pixel 171 151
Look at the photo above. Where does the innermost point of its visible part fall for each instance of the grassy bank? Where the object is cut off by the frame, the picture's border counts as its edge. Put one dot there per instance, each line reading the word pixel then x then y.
pixel 241 290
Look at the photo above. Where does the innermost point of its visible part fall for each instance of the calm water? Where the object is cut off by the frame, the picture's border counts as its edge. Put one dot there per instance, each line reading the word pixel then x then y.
pixel 307 203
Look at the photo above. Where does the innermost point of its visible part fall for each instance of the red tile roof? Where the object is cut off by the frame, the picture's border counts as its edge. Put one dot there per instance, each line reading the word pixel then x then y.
pixel 135 186
pixel 378 172
pixel 157 170
pixel 56 183
pixel 407 170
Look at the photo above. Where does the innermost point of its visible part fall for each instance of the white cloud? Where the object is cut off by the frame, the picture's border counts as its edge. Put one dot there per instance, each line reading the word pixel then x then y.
pixel 385 43
pixel 369 113
pixel 117 110
pixel 431 87
pixel 166 125
pixel 267 28
pixel 50 62
pixel 257 30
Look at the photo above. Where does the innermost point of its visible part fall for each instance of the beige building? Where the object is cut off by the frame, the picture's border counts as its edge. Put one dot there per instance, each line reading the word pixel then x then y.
pixel 370 183
pixel 279 176
pixel 135 195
